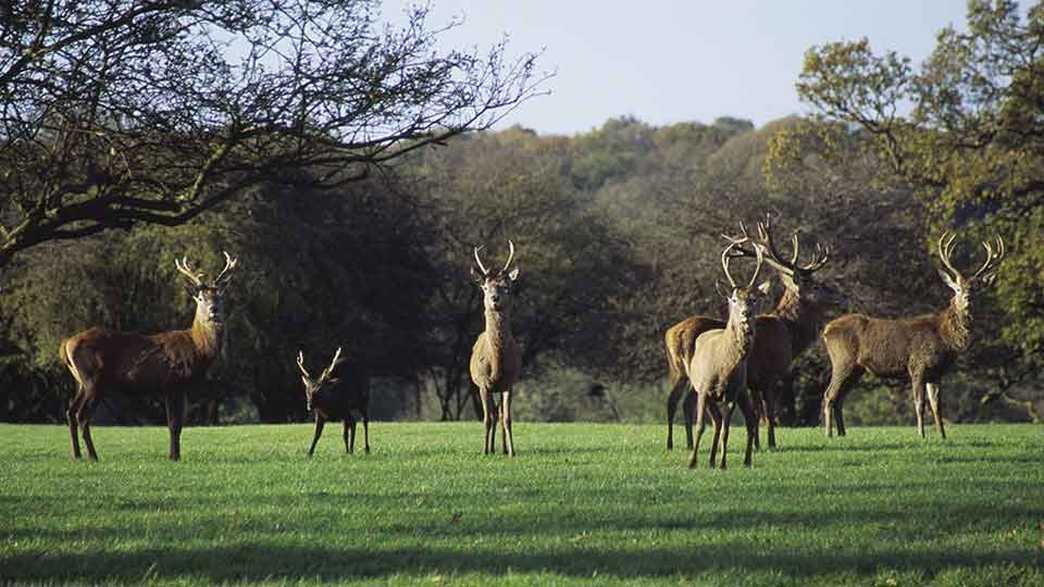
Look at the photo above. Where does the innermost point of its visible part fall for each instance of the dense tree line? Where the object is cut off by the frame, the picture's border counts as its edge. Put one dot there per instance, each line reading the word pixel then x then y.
pixel 617 229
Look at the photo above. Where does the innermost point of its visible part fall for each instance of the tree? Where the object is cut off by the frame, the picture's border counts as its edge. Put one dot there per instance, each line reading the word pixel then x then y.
pixel 117 112
pixel 964 130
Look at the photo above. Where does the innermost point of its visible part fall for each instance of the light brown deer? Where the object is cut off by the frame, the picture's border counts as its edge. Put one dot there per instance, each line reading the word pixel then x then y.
pixel 920 349
pixel 496 359
pixel 103 360
pixel 340 389
pixel 718 371
pixel 780 335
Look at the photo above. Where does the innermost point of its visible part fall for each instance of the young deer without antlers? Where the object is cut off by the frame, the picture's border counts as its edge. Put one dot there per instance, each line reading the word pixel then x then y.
pixel 718 371
pixel 780 335
pixel 339 390
pixel 921 348
pixel 496 359
pixel 103 360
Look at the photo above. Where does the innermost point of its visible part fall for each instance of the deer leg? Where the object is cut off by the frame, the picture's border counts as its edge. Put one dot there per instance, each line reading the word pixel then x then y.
pixel 842 376
pixel 839 417
pixel 175 416
pixel 83 418
pixel 726 425
pixel 701 403
pixel 366 430
pixel 715 414
pixel 70 416
pixel 349 432
pixel 750 419
pixel 505 404
pixel 487 422
pixel 319 423
pixel 933 403
pixel 769 401
pixel 677 390
pixel 688 408
pixel 918 399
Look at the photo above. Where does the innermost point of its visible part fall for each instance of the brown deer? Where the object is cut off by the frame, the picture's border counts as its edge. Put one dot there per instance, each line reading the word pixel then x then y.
pixel 338 391
pixel 921 348
pixel 718 371
pixel 103 360
pixel 496 359
pixel 780 335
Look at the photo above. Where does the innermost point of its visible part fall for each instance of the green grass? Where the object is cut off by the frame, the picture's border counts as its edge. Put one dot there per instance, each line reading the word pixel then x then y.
pixel 580 501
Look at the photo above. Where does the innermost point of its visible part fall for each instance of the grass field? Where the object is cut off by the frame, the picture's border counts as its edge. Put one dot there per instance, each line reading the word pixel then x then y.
pixel 579 502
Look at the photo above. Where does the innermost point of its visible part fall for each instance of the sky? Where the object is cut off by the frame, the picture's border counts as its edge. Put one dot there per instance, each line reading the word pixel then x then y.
pixel 666 61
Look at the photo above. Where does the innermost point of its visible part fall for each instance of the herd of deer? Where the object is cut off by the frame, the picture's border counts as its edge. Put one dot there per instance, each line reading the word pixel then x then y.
pixel 743 360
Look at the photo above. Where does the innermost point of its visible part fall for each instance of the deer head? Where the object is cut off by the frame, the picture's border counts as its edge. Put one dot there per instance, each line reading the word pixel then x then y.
pixel 208 295
pixel 744 302
pixel 962 286
pixel 314 386
pixel 796 277
pixel 496 286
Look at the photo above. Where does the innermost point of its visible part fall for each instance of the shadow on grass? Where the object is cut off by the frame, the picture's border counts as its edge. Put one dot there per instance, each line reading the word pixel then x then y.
pixel 252 562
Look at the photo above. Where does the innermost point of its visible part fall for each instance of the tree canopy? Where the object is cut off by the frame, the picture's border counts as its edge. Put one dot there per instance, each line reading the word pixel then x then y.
pixel 116 112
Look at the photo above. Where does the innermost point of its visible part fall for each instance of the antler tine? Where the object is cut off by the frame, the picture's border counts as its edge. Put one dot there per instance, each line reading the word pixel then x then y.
pixel 822 255
pixel 775 258
pixel 946 246
pixel 300 364
pixel 333 363
pixel 511 256
pixel 992 256
pixel 757 266
pixel 230 264
pixel 482 267
pixel 725 258
pixel 739 240
pixel 183 267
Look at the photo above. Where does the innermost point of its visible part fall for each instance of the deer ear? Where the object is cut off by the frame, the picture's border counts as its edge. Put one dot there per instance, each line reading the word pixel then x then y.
pixel 765 287
pixel 476 276
pixel 334 380
pixel 948 280
pixel 514 274
pixel 721 289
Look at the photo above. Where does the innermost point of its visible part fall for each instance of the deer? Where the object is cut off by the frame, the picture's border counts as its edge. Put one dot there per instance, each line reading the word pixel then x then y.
pixel 780 335
pixel 718 370
pixel 921 349
pixel 102 360
pixel 334 395
pixel 496 358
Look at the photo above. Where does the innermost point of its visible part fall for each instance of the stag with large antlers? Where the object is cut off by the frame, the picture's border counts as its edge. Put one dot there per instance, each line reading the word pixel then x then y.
pixel 921 348
pixel 781 335
pixel 718 371
pixel 103 360
pixel 496 359
pixel 342 388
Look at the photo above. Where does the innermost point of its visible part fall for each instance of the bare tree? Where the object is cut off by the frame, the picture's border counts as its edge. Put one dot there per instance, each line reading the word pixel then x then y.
pixel 118 112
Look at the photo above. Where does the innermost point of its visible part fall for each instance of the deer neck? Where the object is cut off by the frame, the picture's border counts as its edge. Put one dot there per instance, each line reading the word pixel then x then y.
pixel 741 333
pixel 498 334
pixel 207 337
pixel 802 318
pixel 955 324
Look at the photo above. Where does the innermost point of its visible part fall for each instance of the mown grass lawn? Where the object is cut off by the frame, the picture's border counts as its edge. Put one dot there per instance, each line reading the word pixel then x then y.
pixel 579 502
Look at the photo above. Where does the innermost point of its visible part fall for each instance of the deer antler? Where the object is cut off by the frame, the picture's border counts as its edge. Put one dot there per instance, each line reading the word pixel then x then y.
pixel 482 267
pixel 230 264
pixel 194 276
pixel 946 246
pixel 511 256
pixel 300 364
pixel 993 257
pixel 764 241
pixel 333 363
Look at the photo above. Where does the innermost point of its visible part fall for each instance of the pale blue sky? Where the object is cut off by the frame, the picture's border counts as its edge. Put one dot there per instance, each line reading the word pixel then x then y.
pixel 666 61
